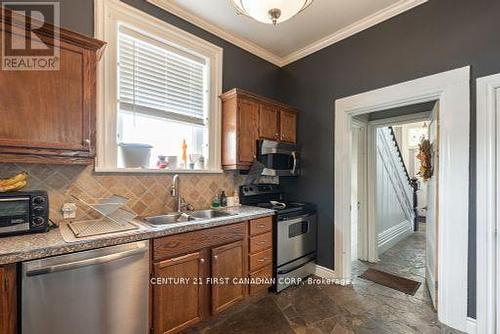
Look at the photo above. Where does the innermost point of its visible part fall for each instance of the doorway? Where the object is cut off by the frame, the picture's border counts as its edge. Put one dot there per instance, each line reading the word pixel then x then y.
pixel 395 238
pixel 451 89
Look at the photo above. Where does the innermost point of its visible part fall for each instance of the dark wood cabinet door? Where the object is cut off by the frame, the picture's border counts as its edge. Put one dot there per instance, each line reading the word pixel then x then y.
pixel 48 116
pixel 269 122
pixel 228 262
pixel 178 305
pixel 248 130
pixel 288 126
pixel 8 300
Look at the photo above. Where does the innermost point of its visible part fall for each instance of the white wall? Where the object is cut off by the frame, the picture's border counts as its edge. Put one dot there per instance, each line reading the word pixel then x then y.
pixel 394 220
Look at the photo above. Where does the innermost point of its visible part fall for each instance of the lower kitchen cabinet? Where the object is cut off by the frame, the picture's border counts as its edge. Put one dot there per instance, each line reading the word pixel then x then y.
pixel 228 261
pixel 180 304
pixel 204 259
pixel 260 257
pixel 8 300
pixel 203 273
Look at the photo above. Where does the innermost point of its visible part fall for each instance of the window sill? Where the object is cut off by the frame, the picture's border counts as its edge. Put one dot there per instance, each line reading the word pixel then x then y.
pixel 103 170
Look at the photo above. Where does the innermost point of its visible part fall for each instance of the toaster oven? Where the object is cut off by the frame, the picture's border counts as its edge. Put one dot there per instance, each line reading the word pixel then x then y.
pixel 24 212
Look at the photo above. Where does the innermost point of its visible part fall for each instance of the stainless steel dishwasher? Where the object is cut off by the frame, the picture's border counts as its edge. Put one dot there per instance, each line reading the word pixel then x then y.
pixel 102 291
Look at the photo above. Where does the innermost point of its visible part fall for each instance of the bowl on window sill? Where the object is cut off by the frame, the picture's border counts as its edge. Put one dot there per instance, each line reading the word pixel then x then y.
pixel 135 155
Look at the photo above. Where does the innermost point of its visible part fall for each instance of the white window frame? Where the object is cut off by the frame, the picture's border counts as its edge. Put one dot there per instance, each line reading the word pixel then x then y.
pixel 108 15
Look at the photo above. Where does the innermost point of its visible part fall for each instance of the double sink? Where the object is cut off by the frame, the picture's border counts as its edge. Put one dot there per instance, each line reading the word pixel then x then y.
pixel 180 217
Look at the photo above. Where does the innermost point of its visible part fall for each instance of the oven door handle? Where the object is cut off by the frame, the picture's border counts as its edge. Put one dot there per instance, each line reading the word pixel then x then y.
pixel 294 157
pixel 299 218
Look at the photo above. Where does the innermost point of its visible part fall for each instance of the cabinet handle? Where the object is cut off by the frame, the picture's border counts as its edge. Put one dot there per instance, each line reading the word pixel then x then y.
pixel 87 141
pixel 215 257
pixel 263 260
pixel 262 226
pixel 262 242
pixel 202 260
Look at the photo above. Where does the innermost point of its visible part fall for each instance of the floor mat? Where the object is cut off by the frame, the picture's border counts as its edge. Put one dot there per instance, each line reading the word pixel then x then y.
pixel 404 285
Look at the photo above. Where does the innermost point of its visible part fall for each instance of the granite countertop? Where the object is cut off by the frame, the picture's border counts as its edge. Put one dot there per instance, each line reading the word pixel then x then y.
pixel 34 246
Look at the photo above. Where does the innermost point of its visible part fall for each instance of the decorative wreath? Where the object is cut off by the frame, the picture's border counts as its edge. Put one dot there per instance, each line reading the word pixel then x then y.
pixel 425 156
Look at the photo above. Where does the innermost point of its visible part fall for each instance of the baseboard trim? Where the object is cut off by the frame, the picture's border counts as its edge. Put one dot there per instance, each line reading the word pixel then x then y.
pixel 393 235
pixel 431 284
pixel 471 326
pixel 330 274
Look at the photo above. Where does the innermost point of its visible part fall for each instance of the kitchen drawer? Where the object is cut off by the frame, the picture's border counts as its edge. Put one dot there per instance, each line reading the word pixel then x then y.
pixel 261 225
pixel 261 259
pixel 184 243
pixel 261 242
pixel 264 273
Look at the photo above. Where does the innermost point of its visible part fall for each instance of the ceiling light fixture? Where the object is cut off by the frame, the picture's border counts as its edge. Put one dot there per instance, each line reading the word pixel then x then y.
pixel 270 11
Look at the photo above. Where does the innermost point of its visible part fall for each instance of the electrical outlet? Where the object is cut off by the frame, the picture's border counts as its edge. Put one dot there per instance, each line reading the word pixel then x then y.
pixel 69 210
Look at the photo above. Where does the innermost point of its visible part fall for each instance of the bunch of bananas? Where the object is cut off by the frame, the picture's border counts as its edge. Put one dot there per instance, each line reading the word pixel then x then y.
pixel 14 183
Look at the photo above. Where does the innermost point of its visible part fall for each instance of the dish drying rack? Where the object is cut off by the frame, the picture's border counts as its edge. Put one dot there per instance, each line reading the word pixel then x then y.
pixel 113 217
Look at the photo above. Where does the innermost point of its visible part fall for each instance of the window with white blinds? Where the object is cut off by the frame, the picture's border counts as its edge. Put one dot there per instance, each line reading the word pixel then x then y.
pixel 159 88
pixel 159 80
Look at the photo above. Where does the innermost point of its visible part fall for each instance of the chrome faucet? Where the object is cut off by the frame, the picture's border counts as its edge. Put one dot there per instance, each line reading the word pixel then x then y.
pixel 175 191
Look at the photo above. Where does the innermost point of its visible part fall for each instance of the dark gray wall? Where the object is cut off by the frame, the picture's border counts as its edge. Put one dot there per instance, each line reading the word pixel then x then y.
pixel 437 36
pixel 241 69
pixel 434 37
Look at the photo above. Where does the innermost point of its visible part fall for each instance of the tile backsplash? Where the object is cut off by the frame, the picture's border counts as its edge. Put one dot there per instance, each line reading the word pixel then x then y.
pixel 148 194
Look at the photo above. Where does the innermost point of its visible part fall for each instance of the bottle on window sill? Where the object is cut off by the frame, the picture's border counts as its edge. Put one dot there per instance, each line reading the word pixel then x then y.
pixel 223 199
pixel 184 153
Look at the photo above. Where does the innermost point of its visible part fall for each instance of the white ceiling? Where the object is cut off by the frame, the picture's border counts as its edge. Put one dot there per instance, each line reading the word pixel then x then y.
pixel 323 23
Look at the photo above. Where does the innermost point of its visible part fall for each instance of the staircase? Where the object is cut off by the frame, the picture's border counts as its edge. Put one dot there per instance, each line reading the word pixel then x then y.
pixel 412 182
pixel 396 192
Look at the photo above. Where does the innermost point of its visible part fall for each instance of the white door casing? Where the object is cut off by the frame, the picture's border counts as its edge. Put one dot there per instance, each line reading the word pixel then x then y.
pixel 354 193
pixel 452 90
pixel 432 223
pixel 487 201
pixel 359 198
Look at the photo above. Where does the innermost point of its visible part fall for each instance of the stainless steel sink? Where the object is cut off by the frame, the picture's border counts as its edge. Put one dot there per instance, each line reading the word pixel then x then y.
pixel 171 218
pixel 180 217
pixel 209 214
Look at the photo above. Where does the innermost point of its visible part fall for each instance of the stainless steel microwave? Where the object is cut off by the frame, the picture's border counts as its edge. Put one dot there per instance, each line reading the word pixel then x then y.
pixel 279 159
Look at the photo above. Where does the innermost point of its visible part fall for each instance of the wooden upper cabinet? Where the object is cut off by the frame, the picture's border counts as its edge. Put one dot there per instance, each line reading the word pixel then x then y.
pixel 269 118
pixel 248 111
pixel 8 300
pixel 228 261
pixel 288 126
pixel 48 116
pixel 246 118
pixel 179 306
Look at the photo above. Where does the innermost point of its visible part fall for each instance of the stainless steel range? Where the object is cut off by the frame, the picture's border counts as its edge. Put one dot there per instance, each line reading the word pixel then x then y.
pixel 295 232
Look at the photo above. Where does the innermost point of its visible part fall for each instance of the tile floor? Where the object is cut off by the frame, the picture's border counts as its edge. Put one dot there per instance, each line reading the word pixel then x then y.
pixel 363 307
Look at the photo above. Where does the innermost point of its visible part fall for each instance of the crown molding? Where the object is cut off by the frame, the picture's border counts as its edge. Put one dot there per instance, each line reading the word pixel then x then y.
pixel 363 24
